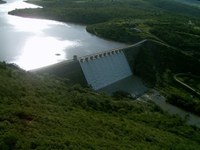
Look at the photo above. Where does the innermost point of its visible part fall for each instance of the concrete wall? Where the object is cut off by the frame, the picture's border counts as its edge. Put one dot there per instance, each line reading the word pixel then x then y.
pixel 68 70
pixel 105 70
pixel 98 70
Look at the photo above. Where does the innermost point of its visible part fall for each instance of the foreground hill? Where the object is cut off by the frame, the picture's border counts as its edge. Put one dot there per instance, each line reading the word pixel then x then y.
pixel 41 112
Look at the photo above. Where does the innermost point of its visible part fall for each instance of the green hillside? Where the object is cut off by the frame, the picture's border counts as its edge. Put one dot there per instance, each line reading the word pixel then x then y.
pixel 157 64
pixel 45 112
pixel 170 22
pixel 173 26
pixel 40 112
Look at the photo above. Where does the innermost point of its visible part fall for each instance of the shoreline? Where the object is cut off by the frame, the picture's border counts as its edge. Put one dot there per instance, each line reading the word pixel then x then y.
pixel 44 12
pixel 53 18
pixel 94 33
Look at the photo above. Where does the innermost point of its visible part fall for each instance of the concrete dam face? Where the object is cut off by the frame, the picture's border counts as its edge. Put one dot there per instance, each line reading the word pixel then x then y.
pixel 104 69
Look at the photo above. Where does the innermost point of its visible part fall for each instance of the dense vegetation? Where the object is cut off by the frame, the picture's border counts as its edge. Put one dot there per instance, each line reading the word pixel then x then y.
pixel 41 112
pixel 157 64
pixel 175 25
pixel 180 97
pixel 155 58
pixel 169 22
pixel 185 36
pixel 184 97
pixel 120 16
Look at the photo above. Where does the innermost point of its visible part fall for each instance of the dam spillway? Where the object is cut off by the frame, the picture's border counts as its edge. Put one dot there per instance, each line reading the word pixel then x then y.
pixel 103 69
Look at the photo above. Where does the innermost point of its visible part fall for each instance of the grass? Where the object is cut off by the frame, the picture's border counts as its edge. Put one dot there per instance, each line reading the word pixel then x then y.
pixel 38 112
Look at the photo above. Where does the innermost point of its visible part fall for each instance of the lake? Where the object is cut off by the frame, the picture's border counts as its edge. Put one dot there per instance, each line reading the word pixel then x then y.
pixel 34 43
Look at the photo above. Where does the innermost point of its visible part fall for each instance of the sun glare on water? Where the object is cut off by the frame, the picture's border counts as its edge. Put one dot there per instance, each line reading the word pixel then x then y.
pixel 11 5
pixel 39 49
pixel 35 26
pixel 42 51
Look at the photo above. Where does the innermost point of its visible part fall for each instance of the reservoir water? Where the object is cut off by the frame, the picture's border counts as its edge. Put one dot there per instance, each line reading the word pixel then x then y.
pixel 34 43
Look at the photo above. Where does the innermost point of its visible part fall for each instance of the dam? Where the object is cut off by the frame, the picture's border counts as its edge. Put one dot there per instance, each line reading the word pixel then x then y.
pixel 100 70
pixel 107 67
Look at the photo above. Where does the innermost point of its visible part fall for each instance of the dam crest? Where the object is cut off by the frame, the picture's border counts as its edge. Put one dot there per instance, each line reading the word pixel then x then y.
pixel 105 68
pixel 98 70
